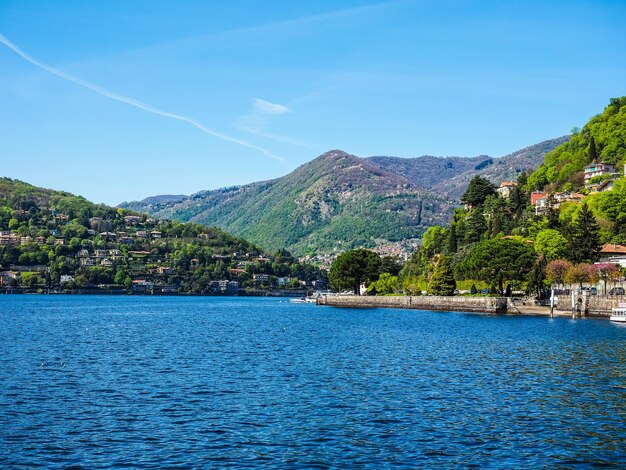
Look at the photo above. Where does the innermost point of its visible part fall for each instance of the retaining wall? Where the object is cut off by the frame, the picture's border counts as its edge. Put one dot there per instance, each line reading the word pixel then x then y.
pixel 429 302
pixel 597 305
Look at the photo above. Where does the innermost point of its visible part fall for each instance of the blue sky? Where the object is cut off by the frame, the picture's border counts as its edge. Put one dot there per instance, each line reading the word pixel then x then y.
pixel 120 100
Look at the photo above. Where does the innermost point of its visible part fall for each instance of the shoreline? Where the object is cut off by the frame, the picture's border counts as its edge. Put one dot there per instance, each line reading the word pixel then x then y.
pixel 489 305
pixel 122 292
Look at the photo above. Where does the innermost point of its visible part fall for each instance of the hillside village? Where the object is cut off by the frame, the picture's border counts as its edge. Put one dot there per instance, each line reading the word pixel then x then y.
pixel 42 248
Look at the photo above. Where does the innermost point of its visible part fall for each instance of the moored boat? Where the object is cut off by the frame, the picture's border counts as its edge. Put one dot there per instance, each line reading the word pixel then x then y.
pixel 304 300
pixel 619 313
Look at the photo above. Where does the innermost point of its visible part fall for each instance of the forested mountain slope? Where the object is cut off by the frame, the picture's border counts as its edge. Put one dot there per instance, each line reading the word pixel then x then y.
pixel 339 201
pixel 335 202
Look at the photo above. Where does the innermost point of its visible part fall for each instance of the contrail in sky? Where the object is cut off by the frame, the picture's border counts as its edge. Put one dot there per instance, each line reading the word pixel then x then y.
pixel 132 102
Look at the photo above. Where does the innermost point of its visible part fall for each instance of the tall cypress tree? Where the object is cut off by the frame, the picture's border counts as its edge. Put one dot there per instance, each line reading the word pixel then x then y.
pixel 584 236
pixel 452 242
pixel 593 152
pixel 442 281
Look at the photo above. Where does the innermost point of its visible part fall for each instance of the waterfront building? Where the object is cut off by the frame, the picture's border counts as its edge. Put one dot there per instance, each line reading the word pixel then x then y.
pixel 613 253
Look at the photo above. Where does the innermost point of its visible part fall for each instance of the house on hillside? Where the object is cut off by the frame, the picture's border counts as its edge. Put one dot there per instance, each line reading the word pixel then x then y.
pixel 613 253
pixel 602 186
pixel 505 189
pixel 260 279
pixel 132 219
pixel 224 287
pixel 541 201
pixel 9 278
pixel 141 285
pixel 597 169
pixel 9 238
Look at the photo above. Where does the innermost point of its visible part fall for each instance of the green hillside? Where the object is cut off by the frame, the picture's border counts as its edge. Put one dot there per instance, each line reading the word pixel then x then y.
pixel 602 139
pixel 53 239
pixel 501 240
pixel 339 201
pixel 335 202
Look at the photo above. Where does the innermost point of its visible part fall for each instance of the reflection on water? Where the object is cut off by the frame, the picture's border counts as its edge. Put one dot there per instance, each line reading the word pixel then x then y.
pixel 153 382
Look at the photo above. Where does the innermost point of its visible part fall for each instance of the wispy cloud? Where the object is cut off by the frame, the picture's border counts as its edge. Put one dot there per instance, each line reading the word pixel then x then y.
pixel 270 108
pixel 135 103
pixel 258 118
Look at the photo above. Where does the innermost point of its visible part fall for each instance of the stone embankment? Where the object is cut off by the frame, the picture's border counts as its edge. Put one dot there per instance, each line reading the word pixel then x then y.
pixel 592 305
pixel 456 304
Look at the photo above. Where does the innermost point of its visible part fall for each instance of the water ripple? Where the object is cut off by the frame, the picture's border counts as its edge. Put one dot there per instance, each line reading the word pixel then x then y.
pixel 90 382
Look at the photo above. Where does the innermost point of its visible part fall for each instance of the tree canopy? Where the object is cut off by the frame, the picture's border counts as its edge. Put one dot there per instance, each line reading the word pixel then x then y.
pixel 477 191
pixel 353 268
pixel 442 281
pixel 498 260
pixel 584 234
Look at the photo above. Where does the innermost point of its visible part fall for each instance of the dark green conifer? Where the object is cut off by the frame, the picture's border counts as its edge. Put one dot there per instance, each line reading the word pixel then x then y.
pixel 584 236
pixel 452 242
pixel 478 190
pixel 442 281
pixel 593 153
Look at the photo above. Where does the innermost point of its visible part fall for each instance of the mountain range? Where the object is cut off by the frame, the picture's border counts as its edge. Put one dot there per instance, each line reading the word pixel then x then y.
pixel 340 201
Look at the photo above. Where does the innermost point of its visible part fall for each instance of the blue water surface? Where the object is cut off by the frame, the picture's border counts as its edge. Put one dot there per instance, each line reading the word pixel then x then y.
pixel 154 382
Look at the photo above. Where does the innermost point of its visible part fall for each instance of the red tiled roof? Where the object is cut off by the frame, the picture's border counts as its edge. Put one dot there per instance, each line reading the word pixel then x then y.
pixel 613 248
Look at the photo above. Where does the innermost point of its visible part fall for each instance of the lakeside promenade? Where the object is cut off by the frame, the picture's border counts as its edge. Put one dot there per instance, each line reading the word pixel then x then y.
pixel 422 302
pixel 597 306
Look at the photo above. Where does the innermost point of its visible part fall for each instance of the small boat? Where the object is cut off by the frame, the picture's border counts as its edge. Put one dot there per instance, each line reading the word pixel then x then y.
pixel 619 313
pixel 304 300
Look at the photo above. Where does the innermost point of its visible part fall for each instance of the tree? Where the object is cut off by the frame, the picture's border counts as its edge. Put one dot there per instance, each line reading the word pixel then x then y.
pixel 606 272
pixel 452 242
pixel 391 265
pixel 537 276
pixel 477 191
pixel 353 268
pixel 498 260
pixel 442 281
pixel 593 153
pixel 386 284
pixel 579 274
pixel 556 270
pixel 412 285
pixel 551 244
pixel 475 226
pixel 584 235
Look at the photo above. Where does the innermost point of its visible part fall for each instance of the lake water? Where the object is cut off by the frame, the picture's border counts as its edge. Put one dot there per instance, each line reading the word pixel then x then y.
pixel 155 382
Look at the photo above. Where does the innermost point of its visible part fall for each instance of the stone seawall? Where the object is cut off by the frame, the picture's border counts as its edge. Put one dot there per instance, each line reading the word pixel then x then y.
pixel 596 305
pixel 456 304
